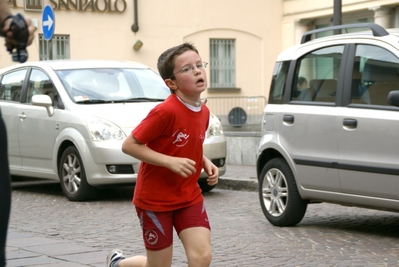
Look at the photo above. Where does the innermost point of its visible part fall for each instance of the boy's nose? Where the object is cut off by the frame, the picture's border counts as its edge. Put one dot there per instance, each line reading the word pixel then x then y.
pixel 196 70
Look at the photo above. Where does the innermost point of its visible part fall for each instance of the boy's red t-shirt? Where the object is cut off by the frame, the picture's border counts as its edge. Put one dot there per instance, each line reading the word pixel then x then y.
pixel 173 129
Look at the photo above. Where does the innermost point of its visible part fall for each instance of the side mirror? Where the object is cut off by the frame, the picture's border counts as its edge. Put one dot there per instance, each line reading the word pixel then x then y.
pixel 43 101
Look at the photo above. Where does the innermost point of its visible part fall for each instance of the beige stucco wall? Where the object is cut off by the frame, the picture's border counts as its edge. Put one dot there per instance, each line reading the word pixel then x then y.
pixel 301 15
pixel 165 23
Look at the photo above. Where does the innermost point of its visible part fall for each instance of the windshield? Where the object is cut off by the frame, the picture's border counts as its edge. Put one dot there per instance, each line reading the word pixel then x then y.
pixel 113 85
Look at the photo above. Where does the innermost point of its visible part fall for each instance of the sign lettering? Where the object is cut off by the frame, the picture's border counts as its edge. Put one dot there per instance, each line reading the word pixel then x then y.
pixel 73 5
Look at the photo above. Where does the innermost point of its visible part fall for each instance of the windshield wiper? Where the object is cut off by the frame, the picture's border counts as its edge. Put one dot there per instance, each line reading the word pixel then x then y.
pixel 139 99
pixel 93 101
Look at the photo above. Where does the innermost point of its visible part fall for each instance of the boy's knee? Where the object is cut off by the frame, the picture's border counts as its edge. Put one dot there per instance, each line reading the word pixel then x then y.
pixel 201 259
pixel 207 258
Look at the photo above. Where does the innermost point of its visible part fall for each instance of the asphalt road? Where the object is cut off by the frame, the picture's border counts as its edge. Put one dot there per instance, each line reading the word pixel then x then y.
pixel 48 230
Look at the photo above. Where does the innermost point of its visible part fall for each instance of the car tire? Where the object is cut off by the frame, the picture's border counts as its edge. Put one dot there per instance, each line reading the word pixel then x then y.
pixel 278 194
pixel 205 187
pixel 73 177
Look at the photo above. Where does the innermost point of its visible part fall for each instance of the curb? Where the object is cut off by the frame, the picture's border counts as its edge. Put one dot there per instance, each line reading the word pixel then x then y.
pixel 237 184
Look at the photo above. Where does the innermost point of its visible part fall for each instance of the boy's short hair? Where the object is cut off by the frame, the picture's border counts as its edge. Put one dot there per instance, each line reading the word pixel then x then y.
pixel 166 61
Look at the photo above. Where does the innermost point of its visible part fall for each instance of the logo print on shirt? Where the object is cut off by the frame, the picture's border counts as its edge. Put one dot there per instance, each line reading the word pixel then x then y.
pixel 181 138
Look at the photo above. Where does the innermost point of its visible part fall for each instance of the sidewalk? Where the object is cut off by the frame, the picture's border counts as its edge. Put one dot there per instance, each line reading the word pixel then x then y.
pixel 29 249
pixel 239 177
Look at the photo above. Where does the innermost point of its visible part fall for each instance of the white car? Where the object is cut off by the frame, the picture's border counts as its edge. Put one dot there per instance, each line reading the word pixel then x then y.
pixel 66 120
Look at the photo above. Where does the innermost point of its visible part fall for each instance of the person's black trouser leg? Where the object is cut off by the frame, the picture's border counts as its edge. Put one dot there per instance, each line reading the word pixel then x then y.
pixel 5 191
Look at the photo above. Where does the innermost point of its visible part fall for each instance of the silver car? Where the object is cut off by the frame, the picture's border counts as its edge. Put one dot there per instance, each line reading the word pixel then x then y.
pixel 331 125
pixel 66 120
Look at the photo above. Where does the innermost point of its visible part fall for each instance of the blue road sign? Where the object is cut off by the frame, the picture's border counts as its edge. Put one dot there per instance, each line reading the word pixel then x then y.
pixel 48 22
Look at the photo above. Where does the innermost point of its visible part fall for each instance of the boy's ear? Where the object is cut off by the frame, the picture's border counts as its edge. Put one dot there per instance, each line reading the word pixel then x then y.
pixel 171 84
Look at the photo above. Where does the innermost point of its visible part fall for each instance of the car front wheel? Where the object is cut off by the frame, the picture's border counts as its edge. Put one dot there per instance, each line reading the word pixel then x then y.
pixel 73 177
pixel 278 193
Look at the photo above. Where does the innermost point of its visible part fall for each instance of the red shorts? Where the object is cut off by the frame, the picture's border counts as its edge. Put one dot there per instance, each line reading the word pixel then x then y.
pixel 158 226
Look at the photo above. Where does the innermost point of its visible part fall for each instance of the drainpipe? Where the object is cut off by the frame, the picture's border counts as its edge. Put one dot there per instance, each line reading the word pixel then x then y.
pixel 135 26
pixel 337 17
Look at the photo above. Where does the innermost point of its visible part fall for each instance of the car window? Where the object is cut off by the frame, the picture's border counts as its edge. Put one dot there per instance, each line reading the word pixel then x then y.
pixel 375 74
pixel 317 74
pixel 11 85
pixel 40 83
pixel 278 82
pixel 113 84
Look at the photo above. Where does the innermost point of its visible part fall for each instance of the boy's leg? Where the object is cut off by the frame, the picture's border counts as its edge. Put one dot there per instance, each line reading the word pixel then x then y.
pixel 192 226
pixel 197 244
pixel 157 230
pixel 157 258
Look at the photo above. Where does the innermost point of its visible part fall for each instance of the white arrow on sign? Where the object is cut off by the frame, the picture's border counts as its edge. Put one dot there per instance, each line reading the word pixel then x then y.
pixel 49 22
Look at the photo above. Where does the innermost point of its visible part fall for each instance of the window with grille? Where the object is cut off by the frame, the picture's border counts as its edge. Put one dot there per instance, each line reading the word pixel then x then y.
pixel 222 63
pixel 56 48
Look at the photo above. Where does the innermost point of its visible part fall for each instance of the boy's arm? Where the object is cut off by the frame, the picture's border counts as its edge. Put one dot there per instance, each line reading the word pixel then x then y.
pixel 211 170
pixel 182 166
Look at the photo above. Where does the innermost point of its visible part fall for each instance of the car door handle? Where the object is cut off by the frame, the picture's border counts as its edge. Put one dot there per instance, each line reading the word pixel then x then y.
pixel 288 118
pixel 351 123
pixel 22 116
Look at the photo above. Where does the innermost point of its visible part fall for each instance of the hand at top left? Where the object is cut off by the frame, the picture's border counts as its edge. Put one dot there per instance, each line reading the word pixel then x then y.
pixel 18 38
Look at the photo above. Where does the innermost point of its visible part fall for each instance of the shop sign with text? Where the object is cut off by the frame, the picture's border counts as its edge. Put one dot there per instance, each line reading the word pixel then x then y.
pixel 72 5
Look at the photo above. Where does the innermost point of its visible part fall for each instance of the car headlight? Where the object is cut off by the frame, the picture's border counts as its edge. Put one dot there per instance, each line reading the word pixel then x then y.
pixel 101 130
pixel 215 127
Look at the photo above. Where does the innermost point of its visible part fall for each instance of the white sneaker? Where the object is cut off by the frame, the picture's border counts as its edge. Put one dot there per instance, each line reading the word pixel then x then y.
pixel 113 256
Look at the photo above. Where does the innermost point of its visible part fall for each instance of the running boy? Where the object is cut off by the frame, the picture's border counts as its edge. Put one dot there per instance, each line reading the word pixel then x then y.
pixel 169 144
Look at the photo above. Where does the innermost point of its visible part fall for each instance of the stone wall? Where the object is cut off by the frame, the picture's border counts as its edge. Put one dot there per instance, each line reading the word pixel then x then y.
pixel 242 147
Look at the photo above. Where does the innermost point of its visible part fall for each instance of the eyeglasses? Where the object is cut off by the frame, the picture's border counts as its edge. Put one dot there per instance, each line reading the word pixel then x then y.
pixel 200 65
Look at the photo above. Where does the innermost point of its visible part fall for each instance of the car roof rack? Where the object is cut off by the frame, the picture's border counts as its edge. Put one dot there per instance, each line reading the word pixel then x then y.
pixel 375 28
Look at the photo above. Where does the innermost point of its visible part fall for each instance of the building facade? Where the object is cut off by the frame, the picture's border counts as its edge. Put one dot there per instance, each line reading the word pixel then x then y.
pixel 300 16
pixel 240 39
